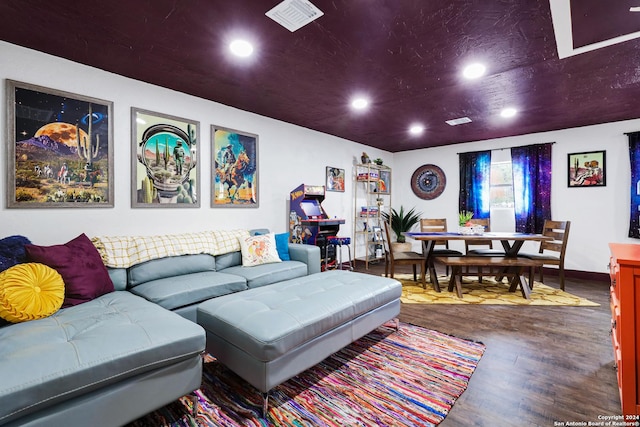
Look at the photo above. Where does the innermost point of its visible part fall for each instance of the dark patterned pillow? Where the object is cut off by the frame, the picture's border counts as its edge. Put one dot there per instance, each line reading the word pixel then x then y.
pixel 12 251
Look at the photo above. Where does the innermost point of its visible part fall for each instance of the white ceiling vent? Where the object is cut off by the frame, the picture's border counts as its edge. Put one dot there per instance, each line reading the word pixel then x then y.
pixel 459 121
pixel 294 14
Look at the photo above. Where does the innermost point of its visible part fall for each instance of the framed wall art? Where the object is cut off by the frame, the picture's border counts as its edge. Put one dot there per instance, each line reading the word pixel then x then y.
pixel 587 169
pixel 165 171
pixel 235 174
pixel 60 149
pixel 335 179
pixel 384 183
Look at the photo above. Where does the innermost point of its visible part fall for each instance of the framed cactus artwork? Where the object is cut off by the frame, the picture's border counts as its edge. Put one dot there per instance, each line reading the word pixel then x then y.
pixel 60 149
pixel 165 171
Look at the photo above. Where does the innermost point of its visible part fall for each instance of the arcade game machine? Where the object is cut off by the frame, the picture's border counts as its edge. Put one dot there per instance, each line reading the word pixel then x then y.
pixel 310 224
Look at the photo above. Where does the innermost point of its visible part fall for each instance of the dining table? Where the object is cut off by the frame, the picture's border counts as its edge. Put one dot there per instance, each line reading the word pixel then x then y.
pixel 511 243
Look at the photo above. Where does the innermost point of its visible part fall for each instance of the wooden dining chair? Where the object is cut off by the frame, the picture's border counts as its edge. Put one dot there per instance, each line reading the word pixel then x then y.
pixel 393 258
pixel 486 223
pixel 471 247
pixel 551 252
pixel 441 247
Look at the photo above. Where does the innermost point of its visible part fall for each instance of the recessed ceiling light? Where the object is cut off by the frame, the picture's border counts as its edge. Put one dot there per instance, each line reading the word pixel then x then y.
pixel 508 112
pixel 416 129
pixel 241 48
pixel 474 71
pixel 359 103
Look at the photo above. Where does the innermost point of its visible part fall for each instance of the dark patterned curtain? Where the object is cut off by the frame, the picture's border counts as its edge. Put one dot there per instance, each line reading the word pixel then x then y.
pixel 475 191
pixel 531 186
pixel 634 157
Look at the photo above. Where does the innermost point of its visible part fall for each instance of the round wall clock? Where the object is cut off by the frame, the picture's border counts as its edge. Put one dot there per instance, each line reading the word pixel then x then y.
pixel 428 182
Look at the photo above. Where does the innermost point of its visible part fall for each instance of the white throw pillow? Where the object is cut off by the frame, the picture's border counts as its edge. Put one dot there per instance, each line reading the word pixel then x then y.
pixel 258 250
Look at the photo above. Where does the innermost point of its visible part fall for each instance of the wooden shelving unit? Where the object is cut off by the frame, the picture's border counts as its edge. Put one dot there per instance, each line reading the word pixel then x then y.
pixel 371 197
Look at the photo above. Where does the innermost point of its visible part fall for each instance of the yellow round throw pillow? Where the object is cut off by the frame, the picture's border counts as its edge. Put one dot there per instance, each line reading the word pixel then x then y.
pixel 30 291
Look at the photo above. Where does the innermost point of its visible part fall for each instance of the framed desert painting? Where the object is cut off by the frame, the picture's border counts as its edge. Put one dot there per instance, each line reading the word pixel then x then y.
pixel 165 171
pixel 235 163
pixel 60 149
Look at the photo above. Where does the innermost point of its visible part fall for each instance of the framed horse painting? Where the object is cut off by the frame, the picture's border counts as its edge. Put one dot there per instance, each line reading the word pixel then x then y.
pixel 165 171
pixel 60 152
pixel 235 174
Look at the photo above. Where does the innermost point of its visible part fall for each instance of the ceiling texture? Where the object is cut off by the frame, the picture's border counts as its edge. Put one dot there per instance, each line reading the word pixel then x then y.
pixel 407 56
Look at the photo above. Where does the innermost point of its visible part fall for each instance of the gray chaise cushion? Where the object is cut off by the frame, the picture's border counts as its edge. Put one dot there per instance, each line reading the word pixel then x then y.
pixel 269 321
pixel 266 274
pixel 180 291
pixel 87 347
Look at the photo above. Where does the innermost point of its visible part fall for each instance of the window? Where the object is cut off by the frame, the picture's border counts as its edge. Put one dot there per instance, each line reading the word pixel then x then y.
pixel 501 192
pixel 501 185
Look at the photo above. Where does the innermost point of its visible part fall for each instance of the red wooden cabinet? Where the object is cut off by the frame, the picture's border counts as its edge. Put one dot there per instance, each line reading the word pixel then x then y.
pixel 624 269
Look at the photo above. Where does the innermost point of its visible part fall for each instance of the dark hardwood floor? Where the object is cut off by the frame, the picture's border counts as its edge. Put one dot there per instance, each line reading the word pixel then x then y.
pixel 543 366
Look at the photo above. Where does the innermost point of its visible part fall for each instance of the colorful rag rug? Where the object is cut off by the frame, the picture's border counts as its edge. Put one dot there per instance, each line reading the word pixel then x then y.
pixel 489 292
pixel 410 377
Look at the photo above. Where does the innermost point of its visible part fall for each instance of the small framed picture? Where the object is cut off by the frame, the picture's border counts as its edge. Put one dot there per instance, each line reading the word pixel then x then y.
pixel 335 179
pixel 384 183
pixel 377 233
pixel 587 169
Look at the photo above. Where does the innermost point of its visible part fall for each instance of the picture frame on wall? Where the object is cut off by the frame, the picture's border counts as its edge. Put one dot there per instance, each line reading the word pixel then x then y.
pixel 384 182
pixel 335 179
pixel 587 169
pixel 60 149
pixel 235 168
pixel 165 163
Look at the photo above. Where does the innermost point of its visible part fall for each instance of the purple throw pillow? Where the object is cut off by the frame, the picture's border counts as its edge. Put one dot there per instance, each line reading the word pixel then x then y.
pixel 78 262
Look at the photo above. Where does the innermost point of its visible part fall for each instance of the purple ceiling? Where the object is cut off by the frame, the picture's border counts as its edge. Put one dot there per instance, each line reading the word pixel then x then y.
pixel 407 55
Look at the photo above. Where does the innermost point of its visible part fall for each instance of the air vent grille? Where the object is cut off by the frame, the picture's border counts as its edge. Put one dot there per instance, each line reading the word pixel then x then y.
pixel 459 121
pixel 294 14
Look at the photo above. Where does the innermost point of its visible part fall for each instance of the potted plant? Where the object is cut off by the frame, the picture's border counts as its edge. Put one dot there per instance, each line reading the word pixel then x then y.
pixel 466 227
pixel 400 222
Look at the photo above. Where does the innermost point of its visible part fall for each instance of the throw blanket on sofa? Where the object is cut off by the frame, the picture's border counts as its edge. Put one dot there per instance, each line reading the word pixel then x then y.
pixel 125 251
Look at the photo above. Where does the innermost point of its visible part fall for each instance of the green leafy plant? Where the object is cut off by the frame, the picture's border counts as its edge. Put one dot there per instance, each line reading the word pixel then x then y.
pixel 464 217
pixel 401 221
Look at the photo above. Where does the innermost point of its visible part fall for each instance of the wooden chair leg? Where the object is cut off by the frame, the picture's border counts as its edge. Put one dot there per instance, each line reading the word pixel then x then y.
pixel 561 277
pixel 415 278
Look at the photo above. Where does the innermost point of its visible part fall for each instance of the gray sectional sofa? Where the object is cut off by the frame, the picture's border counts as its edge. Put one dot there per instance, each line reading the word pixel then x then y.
pixel 124 354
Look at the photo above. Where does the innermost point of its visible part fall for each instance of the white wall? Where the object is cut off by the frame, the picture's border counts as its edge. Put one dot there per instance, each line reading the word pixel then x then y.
pixel 288 156
pixel 291 155
pixel 598 215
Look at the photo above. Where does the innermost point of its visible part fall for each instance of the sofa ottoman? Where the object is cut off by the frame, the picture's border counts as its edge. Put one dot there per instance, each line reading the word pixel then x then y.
pixel 269 334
